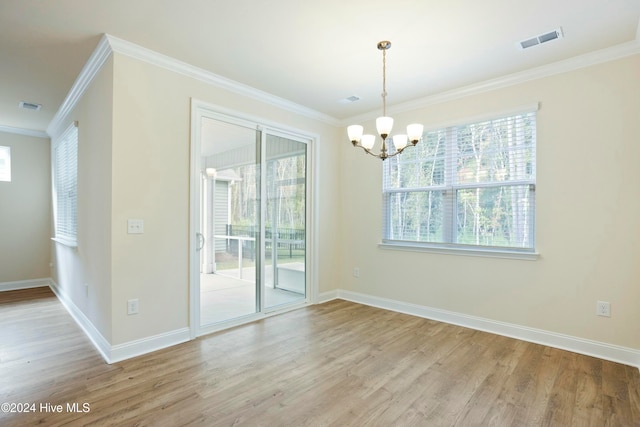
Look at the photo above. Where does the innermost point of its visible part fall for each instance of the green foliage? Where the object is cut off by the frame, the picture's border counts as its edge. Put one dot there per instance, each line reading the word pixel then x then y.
pixel 286 192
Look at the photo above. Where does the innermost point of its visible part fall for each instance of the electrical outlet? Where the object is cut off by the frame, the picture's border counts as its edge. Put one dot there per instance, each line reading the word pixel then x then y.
pixel 135 226
pixel 133 306
pixel 356 272
pixel 603 308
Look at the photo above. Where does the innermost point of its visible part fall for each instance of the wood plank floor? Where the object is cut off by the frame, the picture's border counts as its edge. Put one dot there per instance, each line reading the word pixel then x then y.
pixel 334 364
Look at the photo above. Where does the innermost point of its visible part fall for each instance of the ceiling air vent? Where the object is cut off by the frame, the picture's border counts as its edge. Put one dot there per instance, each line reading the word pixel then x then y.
pixel 30 106
pixel 542 38
pixel 350 99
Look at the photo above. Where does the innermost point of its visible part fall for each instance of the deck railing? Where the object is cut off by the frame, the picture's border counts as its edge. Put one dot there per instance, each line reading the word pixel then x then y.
pixel 284 238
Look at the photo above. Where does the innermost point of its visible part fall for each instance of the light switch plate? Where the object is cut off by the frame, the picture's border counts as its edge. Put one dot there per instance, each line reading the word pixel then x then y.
pixel 135 226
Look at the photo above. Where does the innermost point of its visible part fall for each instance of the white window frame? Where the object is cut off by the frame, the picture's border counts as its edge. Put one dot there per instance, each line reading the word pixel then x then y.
pixel 64 159
pixel 451 187
pixel 5 172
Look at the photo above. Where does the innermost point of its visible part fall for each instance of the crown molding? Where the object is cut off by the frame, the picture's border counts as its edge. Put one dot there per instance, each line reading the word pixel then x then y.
pixel 22 131
pixel 109 44
pixel 97 59
pixel 582 61
pixel 143 54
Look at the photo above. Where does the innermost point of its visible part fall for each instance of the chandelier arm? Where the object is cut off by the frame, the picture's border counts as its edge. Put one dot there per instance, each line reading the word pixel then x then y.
pixel 395 154
pixel 370 152
pixel 382 154
pixel 398 151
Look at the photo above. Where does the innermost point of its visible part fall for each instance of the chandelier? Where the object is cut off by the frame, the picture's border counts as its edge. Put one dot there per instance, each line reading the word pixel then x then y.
pixel 384 124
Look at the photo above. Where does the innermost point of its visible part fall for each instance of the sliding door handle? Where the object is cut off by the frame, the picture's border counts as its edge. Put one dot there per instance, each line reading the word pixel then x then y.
pixel 201 241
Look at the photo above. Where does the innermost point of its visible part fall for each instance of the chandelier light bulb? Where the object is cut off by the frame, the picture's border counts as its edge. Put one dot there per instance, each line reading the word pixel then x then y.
pixel 400 141
pixel 355 133
pixel 414 132
pixel 384 126
pixel 367 141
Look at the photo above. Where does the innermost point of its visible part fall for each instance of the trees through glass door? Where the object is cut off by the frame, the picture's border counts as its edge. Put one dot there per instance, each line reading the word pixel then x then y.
pixel 253 210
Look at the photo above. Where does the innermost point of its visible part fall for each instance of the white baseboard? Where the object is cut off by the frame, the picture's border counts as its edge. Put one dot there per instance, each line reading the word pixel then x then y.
pixel 116 353
pixel 148 344
pixel 614 353
pixel 25 284
pixel 327 296
pixel 99 342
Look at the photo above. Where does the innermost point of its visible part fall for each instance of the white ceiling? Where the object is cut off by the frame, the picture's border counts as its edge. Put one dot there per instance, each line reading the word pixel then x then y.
pixel 311 53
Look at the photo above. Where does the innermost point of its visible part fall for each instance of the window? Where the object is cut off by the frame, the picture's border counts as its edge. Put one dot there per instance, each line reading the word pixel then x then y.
pixel 5 163
pixel 469 186
pixel 65 186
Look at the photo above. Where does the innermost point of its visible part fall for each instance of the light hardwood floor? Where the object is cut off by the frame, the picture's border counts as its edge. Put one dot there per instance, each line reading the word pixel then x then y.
pixel 334 364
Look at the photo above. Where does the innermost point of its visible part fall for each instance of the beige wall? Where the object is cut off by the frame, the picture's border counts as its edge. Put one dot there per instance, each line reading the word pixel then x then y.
pixel 84 273
pixel 588 215
pixel 150 162
pixel 25 210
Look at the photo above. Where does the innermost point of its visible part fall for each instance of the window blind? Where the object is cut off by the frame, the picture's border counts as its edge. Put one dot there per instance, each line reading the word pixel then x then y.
pixel 66 185
pixel 470 184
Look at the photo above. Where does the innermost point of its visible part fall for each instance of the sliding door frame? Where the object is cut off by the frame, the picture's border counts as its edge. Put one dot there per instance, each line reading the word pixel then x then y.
pixel 199 111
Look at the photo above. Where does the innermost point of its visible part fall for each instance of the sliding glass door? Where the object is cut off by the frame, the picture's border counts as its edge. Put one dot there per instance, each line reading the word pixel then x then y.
pixel 229 217
pixel 285 221
pixel 252 228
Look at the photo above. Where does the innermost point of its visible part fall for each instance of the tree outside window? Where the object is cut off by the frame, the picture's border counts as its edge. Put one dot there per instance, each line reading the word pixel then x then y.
pixel 471 184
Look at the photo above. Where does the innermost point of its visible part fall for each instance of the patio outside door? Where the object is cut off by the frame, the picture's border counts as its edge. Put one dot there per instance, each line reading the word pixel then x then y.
pixel 284 219
pixel 252 229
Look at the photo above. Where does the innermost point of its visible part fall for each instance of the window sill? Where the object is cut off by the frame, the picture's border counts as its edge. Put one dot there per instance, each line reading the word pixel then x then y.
pixel 65 242
pixel 459 250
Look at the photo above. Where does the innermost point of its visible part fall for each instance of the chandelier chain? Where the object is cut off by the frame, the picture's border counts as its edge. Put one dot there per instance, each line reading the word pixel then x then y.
pixel 384 82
